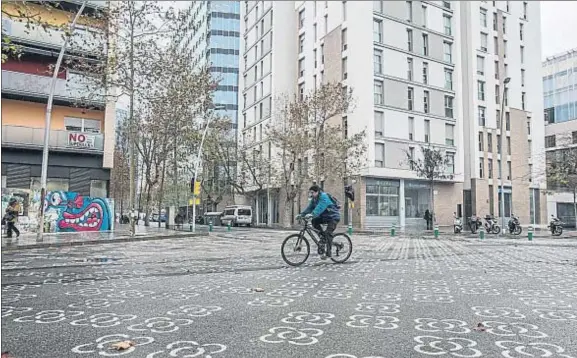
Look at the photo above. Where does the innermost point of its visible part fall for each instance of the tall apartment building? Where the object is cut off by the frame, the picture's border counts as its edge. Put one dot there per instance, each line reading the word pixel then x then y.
pixel 212 38
pixel 560 102
pixel 82 134
pixel 412 66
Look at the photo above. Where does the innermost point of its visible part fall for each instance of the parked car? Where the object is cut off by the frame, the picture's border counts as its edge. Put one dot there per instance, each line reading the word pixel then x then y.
pixel 237 215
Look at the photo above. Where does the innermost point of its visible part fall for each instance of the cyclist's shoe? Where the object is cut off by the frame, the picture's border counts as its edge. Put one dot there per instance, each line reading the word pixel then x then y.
pixel 324 257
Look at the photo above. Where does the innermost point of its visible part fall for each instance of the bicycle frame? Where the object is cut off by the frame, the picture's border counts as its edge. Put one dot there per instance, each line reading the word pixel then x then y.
pixel 307 228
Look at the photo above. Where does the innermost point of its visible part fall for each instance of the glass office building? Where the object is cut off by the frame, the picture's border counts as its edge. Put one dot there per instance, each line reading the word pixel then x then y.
pixel 560 88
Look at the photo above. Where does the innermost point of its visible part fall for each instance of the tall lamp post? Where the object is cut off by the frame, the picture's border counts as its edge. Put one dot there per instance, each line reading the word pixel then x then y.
pixel 505 82
pixel 48 120
pixel 197 165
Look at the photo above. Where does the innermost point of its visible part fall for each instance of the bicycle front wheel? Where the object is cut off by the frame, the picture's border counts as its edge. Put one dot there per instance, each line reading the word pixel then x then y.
pixel 341 248
pixel 295 250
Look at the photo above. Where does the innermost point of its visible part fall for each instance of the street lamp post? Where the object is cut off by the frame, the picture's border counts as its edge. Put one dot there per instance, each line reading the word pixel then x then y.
pixel 197 165
pixel 505 82
pixel 48 120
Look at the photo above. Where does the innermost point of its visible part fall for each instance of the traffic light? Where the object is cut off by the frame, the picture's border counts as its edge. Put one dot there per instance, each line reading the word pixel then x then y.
pixel 194 187
pixel 350 192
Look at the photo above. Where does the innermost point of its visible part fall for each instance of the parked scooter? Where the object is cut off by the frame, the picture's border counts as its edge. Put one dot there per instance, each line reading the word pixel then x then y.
pixel 514 225
pixel 555 226
pixel 457 224
pixel 474 223
pixel 491 225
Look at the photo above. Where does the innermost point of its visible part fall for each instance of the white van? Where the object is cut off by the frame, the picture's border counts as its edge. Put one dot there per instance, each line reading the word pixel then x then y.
pixel 237 215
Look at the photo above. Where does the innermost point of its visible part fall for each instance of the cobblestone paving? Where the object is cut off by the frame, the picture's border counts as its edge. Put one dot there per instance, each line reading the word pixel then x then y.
pixel 397 297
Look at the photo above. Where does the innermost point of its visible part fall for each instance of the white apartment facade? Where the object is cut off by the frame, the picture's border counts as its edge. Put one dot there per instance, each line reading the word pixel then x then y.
pixel 560 102
pixel 405 62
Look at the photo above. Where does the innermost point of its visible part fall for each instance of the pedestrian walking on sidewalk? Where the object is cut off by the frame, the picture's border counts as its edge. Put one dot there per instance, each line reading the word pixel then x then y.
pixel 429 219
pixel 11 216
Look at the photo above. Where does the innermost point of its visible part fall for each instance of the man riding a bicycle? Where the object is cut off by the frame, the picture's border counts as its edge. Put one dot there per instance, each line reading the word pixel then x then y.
pixel 322 209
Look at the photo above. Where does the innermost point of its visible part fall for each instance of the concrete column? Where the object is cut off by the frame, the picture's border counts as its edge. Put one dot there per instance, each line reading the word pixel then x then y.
pixel 402 204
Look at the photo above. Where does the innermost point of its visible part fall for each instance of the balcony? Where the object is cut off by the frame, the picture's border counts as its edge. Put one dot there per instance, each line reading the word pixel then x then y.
pixel 84 40
pixel 26 137
pixel 76 89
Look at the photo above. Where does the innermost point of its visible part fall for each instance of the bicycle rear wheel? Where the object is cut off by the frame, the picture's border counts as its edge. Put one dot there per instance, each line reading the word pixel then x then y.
pixel 341 248
pixel 295 250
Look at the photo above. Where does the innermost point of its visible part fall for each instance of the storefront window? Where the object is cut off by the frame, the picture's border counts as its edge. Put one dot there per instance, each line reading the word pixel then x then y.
pixel 417 199
pixel 98 189
pixel 52 184
pixel 382 197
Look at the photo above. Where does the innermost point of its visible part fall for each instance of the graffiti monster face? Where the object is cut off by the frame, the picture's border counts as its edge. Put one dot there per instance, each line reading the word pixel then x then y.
pixel 78 213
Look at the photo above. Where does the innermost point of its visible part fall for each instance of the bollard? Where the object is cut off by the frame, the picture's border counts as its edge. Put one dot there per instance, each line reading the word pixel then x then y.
pixel 228 226
pixel 482 233
pixel 350 229
pixel 530 233
pixel 436 231
pixel 393 230
pixel 210 226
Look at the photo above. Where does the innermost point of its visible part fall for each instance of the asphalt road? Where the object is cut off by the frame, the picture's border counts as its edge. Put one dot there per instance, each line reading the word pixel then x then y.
pixel 397 297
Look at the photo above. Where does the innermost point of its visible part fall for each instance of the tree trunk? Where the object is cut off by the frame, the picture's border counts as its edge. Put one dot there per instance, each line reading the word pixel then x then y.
pixel 287 213
pixel 433 212
pixel 161 194
pixel 148 198
pixel 132 140
pixel 575 204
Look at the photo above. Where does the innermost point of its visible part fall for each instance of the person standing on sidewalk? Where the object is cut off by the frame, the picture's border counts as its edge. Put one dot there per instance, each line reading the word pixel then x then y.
pixel 11 216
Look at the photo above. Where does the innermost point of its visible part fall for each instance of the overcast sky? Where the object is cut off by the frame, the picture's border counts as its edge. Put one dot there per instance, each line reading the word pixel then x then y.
pixel 558 27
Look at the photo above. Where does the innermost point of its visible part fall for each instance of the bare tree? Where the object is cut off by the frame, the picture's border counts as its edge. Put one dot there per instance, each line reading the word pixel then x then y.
pixel 311 127
pixel 562 168
pixel 432 166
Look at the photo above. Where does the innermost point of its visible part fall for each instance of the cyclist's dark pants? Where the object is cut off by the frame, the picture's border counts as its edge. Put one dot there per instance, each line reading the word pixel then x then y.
pixel 331 227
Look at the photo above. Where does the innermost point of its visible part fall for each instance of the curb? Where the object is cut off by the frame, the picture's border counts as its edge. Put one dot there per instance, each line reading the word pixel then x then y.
pixel 12 247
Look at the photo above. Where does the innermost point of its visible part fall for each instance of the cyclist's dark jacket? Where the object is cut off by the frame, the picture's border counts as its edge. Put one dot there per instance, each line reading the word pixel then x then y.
pixel 323 207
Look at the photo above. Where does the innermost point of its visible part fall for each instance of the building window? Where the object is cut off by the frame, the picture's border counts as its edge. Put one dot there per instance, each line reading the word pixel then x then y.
pixel 450 163
pixel 447 25
pixel 481 112
pixel 522 77
pixel 449 134
pixel 496 70
pixel 506 91
pixel 521 30
pixel 315 35
pixel 344 68
pixel 378 61
pixel 322 54
pixel 497 94
pixel 326 24
pixel 504 25
pixel 481 90
pixel 82 125
pixel 301 43
pixel 524 10
pixel 426 101
pixel 481 168
pixel 522 49
pixel 410 40
pixel 379 155
pixel 315 57
pixel 523 96
pixel 507 121
pixel 427 131
pixel 573 135
pixel 382 197
pixel 379 124
pixel 448 79
pixel 446 4
pixel 483 17
pixel 509 145
pixel 505 48
pixel 425 73
pixel 480 65
pixel 510 171
pixel 411 128
pixel 489 142
pixel 550 141
pixel 410 69
pixel 260 113
pixel 448 53
pixel 483 42
pixel 98 189
pixel 410 97
pixel 301 91
pixel 301 67
pixel 301 18
pixel 377 30
pixel 425 45
pixel 496 45
pixel 378 92
pixel 409 11
pixel 481 142
pixel 499 148
pixel 344 39
pixel 424 9
pixel 448 106
pixel 490 168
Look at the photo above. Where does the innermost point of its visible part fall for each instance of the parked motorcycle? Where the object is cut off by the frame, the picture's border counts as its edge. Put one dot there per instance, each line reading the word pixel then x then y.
pixel 491 225
pixel 555 226
pixel 457 224
pixel 474 223
pixel 514 225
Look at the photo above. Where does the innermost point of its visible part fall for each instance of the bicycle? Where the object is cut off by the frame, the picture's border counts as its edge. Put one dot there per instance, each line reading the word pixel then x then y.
pixel 340 254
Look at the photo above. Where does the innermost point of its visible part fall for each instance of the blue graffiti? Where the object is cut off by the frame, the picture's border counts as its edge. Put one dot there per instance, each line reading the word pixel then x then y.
pixel 78 213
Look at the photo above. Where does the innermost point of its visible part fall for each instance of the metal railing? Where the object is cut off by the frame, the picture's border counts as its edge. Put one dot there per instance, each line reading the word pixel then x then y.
pixel 59 139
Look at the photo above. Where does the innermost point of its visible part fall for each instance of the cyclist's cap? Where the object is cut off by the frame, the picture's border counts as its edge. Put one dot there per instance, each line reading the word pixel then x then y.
pixel 315 188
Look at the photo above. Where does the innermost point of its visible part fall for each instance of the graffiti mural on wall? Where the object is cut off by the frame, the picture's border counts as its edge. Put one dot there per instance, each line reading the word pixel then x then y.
pixel 71 212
